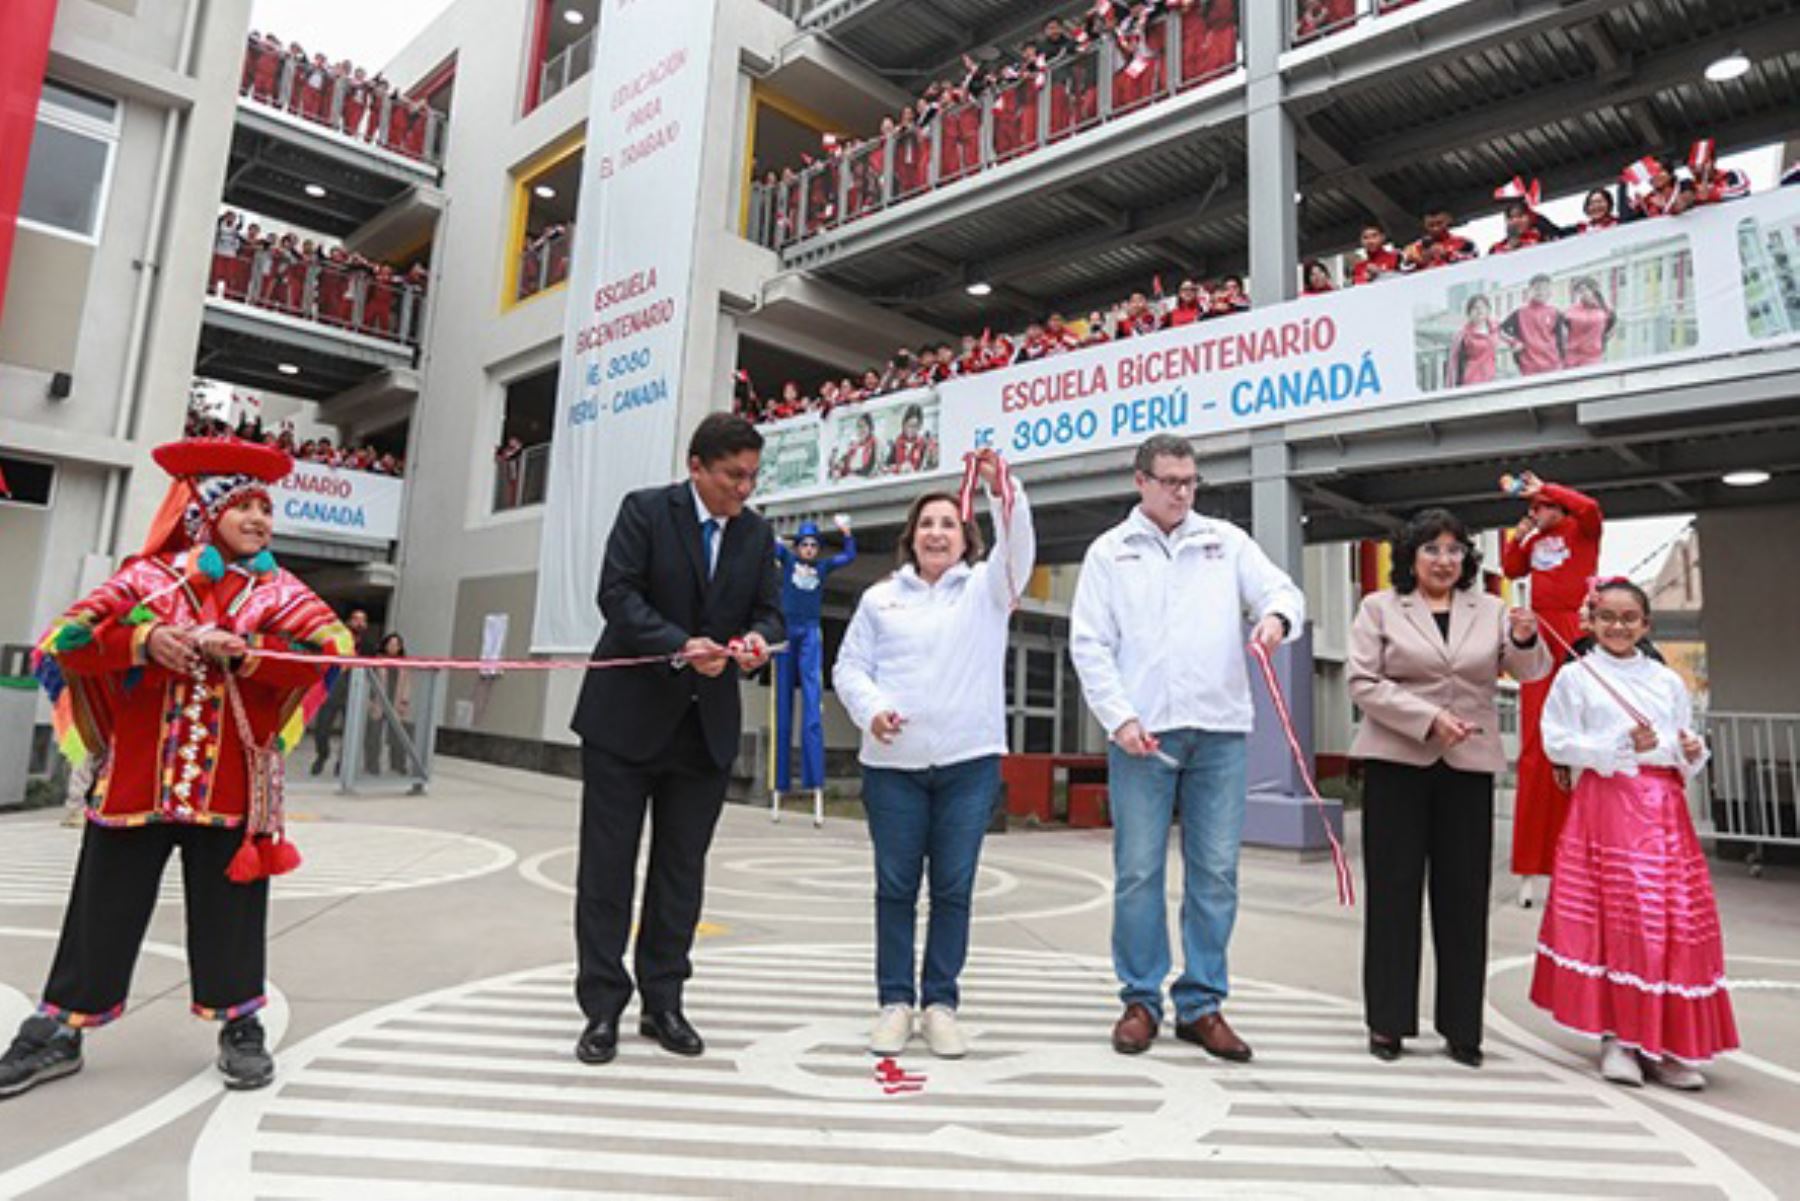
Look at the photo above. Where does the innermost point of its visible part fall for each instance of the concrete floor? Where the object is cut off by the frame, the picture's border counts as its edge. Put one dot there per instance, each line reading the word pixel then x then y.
pixel 421 966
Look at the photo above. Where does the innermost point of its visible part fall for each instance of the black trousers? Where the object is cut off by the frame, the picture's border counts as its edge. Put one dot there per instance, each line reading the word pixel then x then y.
pixel 116 882
pixel 683 793
pixel 1426 827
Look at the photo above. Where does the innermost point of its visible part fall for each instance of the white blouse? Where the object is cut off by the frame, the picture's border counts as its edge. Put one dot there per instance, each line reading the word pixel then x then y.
pixel 1586 729
pixel 936 654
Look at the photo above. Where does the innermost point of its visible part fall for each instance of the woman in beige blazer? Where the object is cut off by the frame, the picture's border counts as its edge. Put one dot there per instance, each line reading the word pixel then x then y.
pixel 1425 661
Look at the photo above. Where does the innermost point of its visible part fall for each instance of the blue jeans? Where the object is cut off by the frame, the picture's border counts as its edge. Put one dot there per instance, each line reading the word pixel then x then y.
pixel 1209 789
pixel 934 818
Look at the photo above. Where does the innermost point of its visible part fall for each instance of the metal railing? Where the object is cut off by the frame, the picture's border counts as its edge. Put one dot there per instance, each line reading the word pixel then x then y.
pixel 1311 20
pixel 364 109
pixel 522 479
pixel 544 260
pixel 1746 798
pixel 569 64
pixel 388 719
pixel 1078 91
pixel 355 298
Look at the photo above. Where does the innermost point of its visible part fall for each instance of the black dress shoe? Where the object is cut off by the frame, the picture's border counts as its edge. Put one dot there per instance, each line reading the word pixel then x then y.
pixel 1384 1048
pixel 1469 1057
pixel 673 1031
pixel 599 1043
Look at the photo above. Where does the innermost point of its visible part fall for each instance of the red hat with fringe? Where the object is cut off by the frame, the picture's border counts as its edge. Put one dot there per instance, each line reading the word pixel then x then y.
pixel 210 475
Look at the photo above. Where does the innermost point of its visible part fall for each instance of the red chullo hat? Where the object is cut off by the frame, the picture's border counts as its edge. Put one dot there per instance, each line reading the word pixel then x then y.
pixel 210 475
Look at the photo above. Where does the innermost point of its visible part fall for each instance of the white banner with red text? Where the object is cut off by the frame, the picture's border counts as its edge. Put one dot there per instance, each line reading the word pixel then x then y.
pixel 337 505
pixel 1715 281
pixel 630 288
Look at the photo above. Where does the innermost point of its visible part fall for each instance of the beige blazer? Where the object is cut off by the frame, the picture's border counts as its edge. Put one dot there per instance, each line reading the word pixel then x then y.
pixel 1403 671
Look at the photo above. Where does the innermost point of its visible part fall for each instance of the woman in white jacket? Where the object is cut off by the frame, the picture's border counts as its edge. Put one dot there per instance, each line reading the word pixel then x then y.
pixel 922 673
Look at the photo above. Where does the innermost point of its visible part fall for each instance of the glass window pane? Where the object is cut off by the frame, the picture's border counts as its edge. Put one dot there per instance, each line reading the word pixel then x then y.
pixel 62 183
pixel 77 101
pixel 1040 735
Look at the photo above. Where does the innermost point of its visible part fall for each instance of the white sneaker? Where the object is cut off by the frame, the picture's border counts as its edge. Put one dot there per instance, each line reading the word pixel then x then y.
pixel 893 1030
pixel 1671 1074
pixel 942 1034
pixel 1619 1064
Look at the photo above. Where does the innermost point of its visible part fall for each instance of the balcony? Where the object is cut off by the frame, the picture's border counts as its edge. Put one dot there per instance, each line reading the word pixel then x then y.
pixel 369 112
pixel 1079 92
pixel 311 330
pixel 567 66
pixel 1692 373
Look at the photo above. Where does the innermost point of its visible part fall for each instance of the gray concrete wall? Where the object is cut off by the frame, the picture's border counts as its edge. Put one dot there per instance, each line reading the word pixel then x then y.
pixel 1751 624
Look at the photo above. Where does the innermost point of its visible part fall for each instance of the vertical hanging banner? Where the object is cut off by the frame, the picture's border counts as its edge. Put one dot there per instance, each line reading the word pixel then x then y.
pixel 631 284
pixel 24 51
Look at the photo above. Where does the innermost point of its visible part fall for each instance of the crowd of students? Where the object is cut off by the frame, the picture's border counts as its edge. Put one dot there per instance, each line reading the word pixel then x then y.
pixel 1062 64
pixel 1541 336
pixel 933 363
pixel 345 97
pixel 310 450
pixel 303 278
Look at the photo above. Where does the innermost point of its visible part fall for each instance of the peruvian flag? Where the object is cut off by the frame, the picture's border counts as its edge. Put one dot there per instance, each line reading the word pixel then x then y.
pixel 1518 189
pixel 1702 155
pixel 24 52
pixel 1638 176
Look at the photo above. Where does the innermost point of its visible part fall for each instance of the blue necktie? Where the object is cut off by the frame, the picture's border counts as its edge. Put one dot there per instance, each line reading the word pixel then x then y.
pixel 709 529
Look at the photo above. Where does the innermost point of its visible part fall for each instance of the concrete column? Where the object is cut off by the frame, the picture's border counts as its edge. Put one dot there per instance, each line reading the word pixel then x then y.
pixel 1272 160
pixel 1281 812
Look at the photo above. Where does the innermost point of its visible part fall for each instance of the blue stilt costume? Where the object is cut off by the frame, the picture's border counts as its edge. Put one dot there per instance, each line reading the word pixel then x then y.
pixel 803 663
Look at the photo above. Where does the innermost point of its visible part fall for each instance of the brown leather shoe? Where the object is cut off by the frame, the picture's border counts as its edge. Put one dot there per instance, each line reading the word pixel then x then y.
pixel 1135 1030
pixel 1211 1032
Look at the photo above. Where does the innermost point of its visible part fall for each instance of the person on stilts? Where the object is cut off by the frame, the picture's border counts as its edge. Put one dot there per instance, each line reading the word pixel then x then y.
pixel 802 664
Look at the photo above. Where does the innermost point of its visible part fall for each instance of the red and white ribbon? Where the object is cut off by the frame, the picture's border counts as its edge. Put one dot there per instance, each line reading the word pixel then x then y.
pixel 410 663
pixel 1346 884
pixel 1562 644
pixel 1003 485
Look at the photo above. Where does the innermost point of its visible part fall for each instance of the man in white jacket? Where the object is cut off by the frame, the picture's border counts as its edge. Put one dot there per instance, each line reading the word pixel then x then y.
pixel 1157 636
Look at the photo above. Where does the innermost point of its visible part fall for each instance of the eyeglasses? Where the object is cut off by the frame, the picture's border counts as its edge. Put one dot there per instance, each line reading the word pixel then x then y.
pixel 1624 621
pixel 1176 483
pixel 1432 550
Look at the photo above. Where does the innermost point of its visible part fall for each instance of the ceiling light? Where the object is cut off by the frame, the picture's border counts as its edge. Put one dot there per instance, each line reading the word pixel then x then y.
pixel 315 191
pixel 574 16
pixel 1721 70
pixel 1746 479
pixel 980 288
pixel 287 369
pixel 544 192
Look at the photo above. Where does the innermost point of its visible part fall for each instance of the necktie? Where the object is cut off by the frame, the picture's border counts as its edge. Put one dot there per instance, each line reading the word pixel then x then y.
pixel 709 530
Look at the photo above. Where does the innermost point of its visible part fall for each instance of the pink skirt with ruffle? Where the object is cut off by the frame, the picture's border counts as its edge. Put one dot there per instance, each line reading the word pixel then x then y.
pixel 1630 944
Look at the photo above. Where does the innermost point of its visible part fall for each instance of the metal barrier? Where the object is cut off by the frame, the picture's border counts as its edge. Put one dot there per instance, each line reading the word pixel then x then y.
pixel 362 108
pixel 544 262
pixel 574 61
pixel 522 479
pixel 1115 77
pixel 1747 797
pixel 388 720
pixel 371 300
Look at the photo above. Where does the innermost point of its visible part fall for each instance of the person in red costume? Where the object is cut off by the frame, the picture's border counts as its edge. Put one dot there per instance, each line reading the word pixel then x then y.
pixel 1535 330
pixel 1439 247
pixel 1587 324
pixel 156 672
pixel 1379 260
pixel 1474 353
pixel 1556 545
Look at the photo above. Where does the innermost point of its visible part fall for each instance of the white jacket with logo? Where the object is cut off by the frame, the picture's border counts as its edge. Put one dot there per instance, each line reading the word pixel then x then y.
pixel 1158 629
pixel 936 654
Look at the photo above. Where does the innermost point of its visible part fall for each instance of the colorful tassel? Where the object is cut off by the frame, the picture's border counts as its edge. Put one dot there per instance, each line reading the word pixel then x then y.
pixel 247 865
pixel 262 563
pixel 72 636
pixel 279 856
pixel 140 613
pixel 211 563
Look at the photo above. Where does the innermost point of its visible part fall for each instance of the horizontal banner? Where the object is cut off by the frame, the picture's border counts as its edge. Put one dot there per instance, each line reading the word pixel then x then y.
pixel 336 505
pixel 1714 281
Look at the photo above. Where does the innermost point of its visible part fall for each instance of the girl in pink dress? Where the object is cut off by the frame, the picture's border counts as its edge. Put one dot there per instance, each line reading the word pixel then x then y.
pixel 1630 949
pixel 1474 353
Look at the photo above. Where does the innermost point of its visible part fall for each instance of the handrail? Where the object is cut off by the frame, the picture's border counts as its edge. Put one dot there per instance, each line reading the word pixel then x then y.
pixel 360 109
pixel 570 64
pixel 1077 92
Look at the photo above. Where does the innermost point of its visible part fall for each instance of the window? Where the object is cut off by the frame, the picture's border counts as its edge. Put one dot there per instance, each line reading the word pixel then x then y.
pixel 71 162
pixel 545 208
pixel 563 44
pixel 522 460
pixel 26 482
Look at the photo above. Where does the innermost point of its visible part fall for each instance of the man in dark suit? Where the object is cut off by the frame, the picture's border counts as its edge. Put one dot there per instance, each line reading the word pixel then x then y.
pixel 689 570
